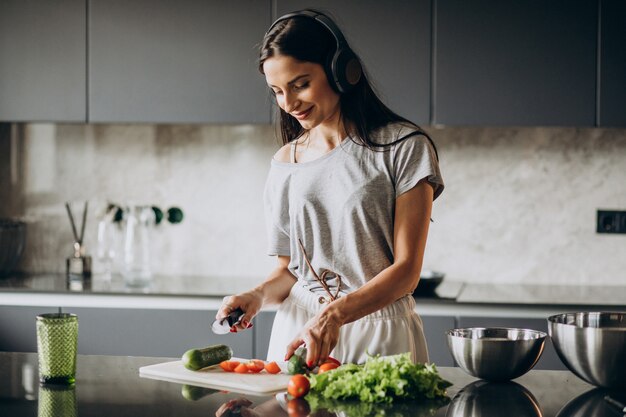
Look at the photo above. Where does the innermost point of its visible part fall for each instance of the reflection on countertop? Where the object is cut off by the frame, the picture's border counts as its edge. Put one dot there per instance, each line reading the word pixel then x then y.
pixel 110 385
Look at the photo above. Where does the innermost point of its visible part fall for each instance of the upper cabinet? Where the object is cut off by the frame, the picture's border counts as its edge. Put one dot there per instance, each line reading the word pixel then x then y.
pixel 392 39
pixel 188 61
pixel 42 60
pixel 612 110
pixel 511 62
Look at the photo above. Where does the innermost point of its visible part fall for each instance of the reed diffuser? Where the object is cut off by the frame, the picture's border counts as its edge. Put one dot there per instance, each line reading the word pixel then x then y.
pixel 79 264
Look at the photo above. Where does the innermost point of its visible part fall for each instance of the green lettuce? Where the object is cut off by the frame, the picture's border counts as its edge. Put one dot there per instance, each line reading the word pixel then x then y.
pixel 382 379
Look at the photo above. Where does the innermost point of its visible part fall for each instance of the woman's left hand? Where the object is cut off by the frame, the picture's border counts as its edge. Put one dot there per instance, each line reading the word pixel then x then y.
pixel 320 334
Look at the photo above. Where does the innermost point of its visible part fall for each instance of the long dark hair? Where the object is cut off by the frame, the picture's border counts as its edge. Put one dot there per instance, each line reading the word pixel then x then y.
pixel 362 112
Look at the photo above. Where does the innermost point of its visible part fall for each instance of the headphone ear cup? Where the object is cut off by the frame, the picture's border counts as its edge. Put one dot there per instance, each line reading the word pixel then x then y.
pixel 346 70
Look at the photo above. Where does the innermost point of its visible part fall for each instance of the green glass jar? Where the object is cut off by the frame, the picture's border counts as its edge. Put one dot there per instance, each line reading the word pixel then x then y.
pixel 57 343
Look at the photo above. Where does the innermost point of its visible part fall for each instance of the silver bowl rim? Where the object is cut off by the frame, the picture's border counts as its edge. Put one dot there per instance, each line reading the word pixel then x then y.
pixel 538 334
pixel 553 320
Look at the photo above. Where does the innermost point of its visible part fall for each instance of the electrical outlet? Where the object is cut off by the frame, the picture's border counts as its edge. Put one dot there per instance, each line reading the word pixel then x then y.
pixel 611 221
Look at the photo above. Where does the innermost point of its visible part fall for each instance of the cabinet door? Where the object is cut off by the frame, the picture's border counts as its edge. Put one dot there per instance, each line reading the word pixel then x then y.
pixel 549 358
pixel 43 60
pixel 262 331
pixel 393 40
pixel 612 63
pixel 189 61
pixel 435 330
pixel 139 332
pixel 127 332
pixel 510 62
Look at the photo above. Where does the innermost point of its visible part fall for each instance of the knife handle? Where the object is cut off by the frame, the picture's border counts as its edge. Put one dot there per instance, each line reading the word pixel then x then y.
pixel 234 316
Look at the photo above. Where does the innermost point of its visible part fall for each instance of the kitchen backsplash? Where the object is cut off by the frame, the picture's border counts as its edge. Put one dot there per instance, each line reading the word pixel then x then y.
pixel 519 205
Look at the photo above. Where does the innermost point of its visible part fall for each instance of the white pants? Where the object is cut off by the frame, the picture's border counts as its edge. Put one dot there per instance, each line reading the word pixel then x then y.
pixel 391 330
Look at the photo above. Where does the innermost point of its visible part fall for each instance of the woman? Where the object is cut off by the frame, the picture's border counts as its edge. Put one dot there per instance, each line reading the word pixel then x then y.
pixel 348 201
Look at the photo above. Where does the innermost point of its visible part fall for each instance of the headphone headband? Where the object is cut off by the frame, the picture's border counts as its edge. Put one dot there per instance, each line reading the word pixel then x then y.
pixel 343 68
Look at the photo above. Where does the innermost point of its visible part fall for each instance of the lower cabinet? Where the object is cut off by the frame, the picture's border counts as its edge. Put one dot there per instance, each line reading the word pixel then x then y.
pixel 169 333
pixel 549 358
pixel 262 331
pixel 435 328
pixel 126 332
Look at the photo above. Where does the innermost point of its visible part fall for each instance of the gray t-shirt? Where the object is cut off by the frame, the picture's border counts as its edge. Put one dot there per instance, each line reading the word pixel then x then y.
pixel 341 205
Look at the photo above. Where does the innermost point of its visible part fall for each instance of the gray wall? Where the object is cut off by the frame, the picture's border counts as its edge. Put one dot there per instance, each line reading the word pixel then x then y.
pixel 519 204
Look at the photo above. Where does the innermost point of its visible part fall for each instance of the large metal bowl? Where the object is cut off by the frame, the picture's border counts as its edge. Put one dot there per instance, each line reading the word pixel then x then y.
pixel 592 346
pixel 496 353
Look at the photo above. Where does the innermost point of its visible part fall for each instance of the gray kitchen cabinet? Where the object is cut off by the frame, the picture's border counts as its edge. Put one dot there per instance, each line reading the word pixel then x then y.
pixel 393 40
pixel 43 60
pixel 549 358
pixel 262 331
pixel 435 328
pixel 127 332
pixel 612 110
pixel 190 61
pixel 509 62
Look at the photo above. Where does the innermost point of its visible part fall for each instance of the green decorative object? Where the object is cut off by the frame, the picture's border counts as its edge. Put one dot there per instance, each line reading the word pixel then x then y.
pixel 158 214
pixel 174 215
pixel 57 341
pixel 57 401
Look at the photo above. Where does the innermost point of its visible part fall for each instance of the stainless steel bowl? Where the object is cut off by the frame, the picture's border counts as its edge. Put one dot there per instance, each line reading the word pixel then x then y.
pixel 496 353
pixel 592 346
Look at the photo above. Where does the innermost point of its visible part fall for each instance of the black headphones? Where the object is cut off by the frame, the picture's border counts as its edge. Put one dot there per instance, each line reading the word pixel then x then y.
pixel 343 68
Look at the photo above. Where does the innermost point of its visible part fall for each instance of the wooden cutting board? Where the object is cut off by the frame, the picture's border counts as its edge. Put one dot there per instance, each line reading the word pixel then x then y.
pixel 216 378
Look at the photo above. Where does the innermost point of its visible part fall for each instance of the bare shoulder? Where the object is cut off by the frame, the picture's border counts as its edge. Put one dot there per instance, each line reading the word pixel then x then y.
pixel 283 154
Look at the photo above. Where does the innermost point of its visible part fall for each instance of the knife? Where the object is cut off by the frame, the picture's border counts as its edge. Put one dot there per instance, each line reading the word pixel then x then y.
pixel 223 326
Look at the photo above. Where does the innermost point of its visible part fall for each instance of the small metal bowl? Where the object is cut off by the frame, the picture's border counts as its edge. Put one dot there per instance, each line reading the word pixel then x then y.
pixel 496 353
pixel 429 281
pixel 592 346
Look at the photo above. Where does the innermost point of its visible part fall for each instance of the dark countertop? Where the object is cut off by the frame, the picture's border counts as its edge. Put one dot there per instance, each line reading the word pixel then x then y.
pixel 449 292
pixel 111 386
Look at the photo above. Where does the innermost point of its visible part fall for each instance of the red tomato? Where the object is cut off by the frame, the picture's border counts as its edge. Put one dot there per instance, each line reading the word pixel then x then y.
pixel 272 368
pixel 229 366
pixel 298 386
pixel 327 366
pixel 333 360
pixel 255 366
pixel 241 368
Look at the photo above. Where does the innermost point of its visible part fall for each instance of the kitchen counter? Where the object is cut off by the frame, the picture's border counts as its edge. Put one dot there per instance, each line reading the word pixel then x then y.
pixel 110 385
pixel 451 298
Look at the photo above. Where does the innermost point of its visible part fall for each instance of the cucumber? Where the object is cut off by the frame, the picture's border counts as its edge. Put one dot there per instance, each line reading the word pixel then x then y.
pixel 195 359
pixel 297 362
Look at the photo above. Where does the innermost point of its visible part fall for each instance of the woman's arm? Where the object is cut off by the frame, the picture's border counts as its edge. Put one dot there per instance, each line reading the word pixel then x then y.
pixel 411 222
pixel 272 291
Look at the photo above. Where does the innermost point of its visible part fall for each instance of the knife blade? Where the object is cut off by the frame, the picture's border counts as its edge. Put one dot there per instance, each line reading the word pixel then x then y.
pixel 223 326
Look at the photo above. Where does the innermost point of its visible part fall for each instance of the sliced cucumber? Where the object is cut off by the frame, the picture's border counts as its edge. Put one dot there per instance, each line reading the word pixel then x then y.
pixel 195 359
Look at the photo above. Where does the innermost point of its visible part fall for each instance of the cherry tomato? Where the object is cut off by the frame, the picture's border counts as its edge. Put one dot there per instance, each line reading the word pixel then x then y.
pixel 241 368
pixel 333 360
pixel 229 366
pixel 298 386
pixel 255 366
pixel 298 407
pixel 327 366
pixel 272 368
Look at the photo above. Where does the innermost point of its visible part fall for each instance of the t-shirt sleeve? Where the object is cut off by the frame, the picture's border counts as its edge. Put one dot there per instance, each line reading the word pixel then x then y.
pixel 415 159
pixel 276 206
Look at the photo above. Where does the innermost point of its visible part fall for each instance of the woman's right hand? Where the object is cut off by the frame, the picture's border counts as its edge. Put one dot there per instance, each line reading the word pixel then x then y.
pixel 250 302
